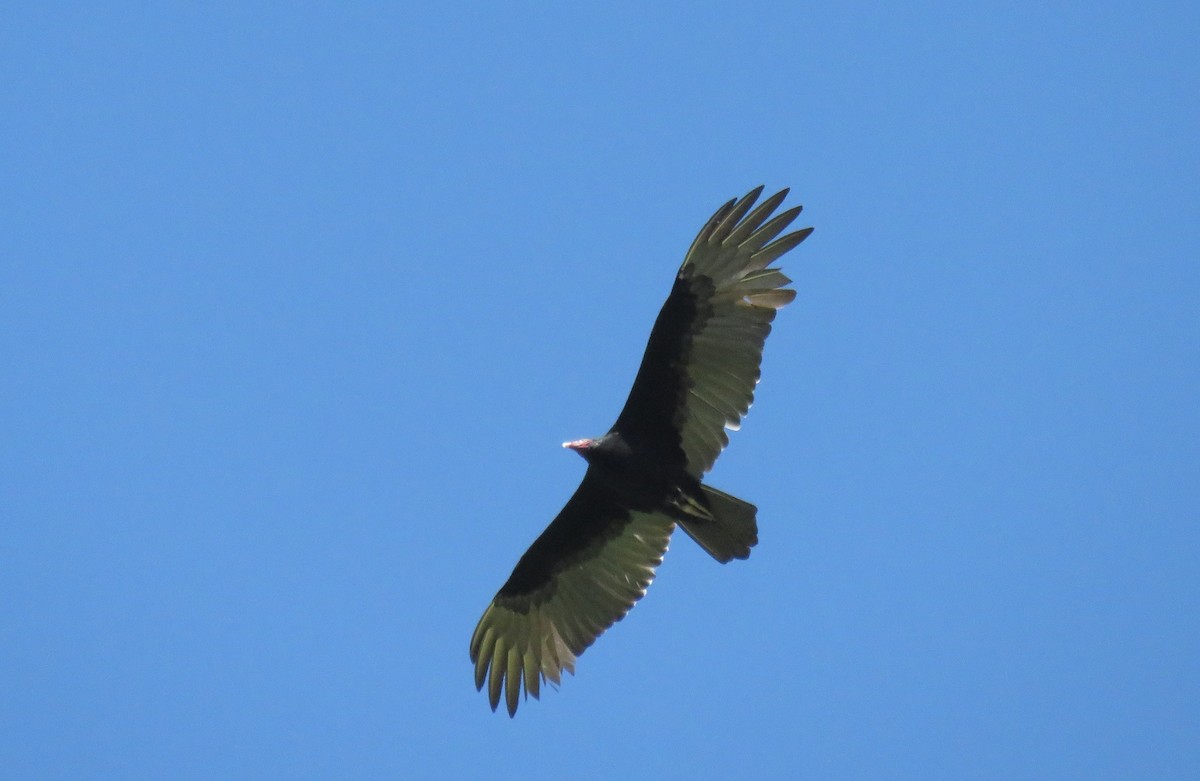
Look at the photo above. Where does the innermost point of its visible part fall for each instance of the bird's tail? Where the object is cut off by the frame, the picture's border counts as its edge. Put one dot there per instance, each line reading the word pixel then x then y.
pixel 731 531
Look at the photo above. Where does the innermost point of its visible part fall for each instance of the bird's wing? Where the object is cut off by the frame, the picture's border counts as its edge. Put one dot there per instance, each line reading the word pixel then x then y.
pixel 583 574
pixel 701 364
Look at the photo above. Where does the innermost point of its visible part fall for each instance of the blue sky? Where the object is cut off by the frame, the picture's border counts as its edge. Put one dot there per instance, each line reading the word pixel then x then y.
pixel 298 301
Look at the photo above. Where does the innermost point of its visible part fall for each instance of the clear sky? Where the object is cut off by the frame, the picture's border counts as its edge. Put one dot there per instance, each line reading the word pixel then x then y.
pixel 298 301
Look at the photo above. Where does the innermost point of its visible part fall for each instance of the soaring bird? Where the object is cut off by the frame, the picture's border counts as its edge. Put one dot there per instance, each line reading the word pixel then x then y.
pixel 696 379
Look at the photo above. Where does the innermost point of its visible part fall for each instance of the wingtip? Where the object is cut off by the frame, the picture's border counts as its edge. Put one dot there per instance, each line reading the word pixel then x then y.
pixel 777 197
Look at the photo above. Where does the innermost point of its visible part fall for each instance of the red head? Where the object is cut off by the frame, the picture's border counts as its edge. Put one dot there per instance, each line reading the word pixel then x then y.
pixel 581 446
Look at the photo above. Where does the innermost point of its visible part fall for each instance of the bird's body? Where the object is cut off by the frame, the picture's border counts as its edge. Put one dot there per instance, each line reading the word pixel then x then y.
pixel 697 378
pixel 637 476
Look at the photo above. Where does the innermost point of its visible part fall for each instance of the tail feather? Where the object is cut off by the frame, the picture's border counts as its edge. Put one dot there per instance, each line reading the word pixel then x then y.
pixel 731 532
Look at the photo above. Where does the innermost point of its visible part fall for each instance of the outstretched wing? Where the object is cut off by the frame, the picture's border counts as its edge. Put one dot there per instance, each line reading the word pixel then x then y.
pixel 701 364
pixel 583 574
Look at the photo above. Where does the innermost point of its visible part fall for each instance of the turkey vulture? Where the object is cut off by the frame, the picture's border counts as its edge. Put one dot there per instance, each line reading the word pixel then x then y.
pixel 697 378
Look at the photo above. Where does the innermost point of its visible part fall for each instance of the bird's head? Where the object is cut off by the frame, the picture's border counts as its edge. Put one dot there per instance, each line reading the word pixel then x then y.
pixel 583 447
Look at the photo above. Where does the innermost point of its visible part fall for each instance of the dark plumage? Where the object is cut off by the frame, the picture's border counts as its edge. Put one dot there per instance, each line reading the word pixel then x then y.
pixel 697 378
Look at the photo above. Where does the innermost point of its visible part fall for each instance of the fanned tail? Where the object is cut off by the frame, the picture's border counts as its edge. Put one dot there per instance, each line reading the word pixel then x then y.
pixel 731 533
